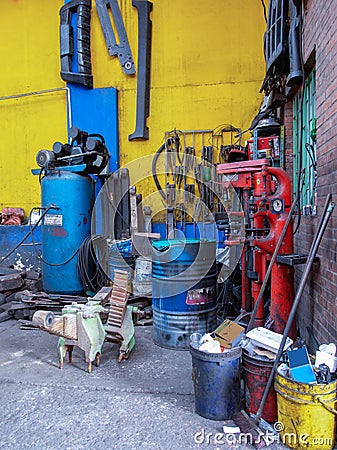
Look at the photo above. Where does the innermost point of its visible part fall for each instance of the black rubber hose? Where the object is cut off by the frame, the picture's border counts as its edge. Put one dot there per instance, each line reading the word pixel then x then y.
pixel 154 170
pixel 91 274
pixel 39 254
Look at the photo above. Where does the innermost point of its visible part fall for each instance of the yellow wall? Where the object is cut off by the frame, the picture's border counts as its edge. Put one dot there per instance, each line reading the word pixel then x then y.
pixel 29 62
pixel 207 68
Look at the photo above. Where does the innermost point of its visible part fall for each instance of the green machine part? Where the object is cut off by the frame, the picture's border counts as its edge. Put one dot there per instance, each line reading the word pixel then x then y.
pixel 82 328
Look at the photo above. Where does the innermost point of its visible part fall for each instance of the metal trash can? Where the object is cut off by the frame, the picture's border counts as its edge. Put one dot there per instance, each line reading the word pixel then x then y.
pixel 216 378
pixel 256 372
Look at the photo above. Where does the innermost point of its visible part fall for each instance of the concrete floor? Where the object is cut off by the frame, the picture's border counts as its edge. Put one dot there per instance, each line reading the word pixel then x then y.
pixel 146 402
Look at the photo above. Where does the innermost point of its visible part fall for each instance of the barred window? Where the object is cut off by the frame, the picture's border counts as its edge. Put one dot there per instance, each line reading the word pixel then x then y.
pixel 304 144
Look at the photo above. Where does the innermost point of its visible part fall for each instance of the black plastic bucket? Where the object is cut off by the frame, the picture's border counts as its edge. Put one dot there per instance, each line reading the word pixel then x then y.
pixel 216 378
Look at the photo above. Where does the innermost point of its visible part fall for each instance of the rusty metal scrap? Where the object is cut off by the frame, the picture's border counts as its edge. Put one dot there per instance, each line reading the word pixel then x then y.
pixel 118 302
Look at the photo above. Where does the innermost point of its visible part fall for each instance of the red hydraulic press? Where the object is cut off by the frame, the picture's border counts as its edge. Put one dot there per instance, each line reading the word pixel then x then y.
pixel 265 194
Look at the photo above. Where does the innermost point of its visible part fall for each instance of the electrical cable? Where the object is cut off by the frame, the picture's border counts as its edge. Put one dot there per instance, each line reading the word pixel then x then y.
pixel 264 11
pixel 311 154
pixel 38 253
pixel 40 179
pixel 154 170
pixel 87 260
pixel 173 143
pixel 98 136
pixel 30 232
pixel 63 263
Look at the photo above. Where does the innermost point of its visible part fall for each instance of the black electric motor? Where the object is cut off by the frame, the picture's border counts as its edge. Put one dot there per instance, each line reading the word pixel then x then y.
pixel 85 148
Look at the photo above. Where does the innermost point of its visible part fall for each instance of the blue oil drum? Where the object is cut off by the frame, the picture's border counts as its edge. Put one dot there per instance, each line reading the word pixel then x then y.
pixel 64 229
pixel 216 378
pixel 121 258
pixel 183 290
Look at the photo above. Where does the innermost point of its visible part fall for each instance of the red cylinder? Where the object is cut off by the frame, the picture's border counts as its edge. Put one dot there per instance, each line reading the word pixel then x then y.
pixel 282 297
pixel 259 319
pixel 256 373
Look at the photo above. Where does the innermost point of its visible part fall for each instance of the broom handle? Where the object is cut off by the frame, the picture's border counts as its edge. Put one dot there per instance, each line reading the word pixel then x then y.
pixel 327 211
pixel 266 278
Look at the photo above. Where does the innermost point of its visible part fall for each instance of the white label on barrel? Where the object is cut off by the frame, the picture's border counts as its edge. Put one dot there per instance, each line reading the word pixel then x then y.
pixel 53 219
pixel 200 296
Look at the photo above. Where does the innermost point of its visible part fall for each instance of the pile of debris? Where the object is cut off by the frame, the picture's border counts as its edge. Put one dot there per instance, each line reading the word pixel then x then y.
pixel 16 288
pixel 21 296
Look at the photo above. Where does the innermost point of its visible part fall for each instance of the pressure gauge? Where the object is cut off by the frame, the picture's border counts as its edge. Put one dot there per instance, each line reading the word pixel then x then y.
pixel 277 205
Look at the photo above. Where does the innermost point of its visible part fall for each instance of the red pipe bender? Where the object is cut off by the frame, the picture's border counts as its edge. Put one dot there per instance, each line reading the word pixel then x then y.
pixel 266 198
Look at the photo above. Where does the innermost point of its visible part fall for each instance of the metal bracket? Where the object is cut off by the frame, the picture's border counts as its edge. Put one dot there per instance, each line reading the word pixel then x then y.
pixel 134 210
pixel 170 222
pixel 147 219
pixel 255 144
pixel 122 50
pixel 144 69
pixel 84 74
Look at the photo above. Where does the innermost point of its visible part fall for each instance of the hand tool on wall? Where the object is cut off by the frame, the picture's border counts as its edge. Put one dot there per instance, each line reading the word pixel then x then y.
pixel 147 219
pixel 189 158
pixel 144 9
pixel 121 49
pixel 170 209
pixel 136 212
pixel 189 193
pixel 83 75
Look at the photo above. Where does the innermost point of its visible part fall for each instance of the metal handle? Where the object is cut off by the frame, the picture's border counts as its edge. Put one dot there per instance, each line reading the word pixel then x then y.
pixel 315 398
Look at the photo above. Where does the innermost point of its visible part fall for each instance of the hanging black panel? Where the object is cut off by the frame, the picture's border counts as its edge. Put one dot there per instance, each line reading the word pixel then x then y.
pixel 275 38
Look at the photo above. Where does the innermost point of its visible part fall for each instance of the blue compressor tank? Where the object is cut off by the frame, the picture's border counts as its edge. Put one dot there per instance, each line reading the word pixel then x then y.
pixel 64 229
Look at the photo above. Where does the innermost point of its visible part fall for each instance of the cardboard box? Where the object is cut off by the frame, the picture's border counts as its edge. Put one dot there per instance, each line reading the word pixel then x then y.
pixel 264 338
pixel 229 333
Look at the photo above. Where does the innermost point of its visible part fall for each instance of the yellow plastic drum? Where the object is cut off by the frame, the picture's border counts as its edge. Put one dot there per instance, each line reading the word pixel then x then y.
pixel 306 413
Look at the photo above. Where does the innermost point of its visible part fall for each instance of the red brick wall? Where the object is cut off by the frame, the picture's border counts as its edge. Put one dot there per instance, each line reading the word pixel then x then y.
pixel 318 307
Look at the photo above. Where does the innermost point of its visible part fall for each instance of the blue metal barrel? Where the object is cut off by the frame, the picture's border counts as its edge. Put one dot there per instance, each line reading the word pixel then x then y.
pixel 65 228
pixel 183 290
pixel 216 378
pixel 121 258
